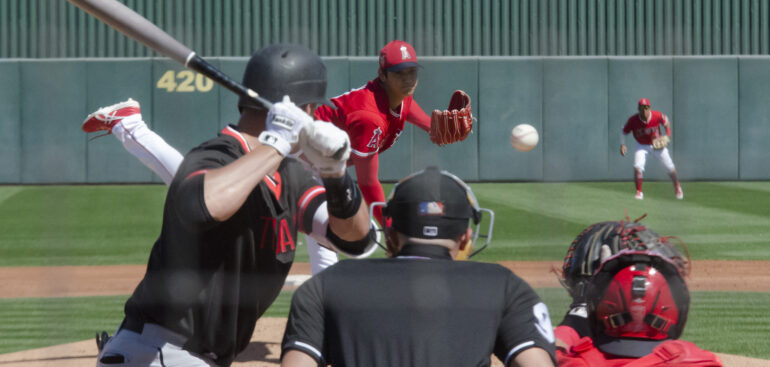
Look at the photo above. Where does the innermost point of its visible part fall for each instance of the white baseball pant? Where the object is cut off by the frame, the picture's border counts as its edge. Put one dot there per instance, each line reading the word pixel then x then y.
pixel 156 346
pixel 640 157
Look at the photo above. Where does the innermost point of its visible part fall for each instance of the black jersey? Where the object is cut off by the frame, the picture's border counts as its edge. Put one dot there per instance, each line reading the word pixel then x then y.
pixel 419 309
pixel 210 281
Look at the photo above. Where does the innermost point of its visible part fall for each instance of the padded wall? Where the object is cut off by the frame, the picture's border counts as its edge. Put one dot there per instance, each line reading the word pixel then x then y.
pixel 10 122
pixel 438 80
pixel 53 99
pixel 754 79
pixel 575 119
pixel 718 108
pixel 186 110
pixel 109 82
pixel 511 93
pixel 706 110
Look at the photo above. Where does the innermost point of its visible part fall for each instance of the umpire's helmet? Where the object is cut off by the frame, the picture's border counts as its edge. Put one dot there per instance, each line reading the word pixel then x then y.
pixel 636 300
pixel 435 204
pixel 285 69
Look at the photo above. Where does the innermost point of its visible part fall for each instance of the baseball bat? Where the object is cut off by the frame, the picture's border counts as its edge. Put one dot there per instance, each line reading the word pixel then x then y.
pixel 135 26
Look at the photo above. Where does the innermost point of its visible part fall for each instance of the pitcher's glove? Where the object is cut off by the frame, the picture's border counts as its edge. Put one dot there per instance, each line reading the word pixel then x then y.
pixel 660 142
pixel 453 124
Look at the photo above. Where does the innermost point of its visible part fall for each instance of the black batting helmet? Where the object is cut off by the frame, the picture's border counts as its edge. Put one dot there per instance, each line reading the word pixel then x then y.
pixel 285 69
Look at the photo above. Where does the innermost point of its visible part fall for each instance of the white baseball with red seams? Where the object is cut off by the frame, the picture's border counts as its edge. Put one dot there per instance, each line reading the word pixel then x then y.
pixel 524 137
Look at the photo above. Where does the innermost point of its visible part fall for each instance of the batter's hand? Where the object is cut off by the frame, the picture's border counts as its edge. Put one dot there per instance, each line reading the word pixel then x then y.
pixel 326 147
pixel 623 150
pixel 283 125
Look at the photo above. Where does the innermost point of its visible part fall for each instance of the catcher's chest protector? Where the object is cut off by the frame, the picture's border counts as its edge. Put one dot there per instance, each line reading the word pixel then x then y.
pixel 671 353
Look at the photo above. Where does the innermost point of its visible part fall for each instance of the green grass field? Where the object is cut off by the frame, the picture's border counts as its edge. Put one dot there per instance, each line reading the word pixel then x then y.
pixel 117 224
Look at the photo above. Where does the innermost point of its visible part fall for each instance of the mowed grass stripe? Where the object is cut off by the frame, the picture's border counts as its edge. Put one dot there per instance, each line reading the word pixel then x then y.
pixel 585 204
pixel 73 225
pixel 27 323
pixel 8 191
pixel 711 233
pixel 118 224
pixel 726 322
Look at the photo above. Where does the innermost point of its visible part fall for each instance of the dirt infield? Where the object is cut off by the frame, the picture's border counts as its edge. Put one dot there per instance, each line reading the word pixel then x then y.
pixel 264 350
pixel 79 281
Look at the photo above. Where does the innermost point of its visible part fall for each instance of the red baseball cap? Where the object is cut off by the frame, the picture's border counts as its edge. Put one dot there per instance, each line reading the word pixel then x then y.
pixel 644 102
pixel 397 55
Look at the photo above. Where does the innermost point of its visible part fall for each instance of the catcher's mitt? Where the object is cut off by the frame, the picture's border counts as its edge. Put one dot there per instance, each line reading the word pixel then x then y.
pixel 601 240
pixel 453 124
pixel 660 142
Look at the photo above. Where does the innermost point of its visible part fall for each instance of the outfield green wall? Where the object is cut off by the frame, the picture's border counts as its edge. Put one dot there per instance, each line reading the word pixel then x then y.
pixel 718 106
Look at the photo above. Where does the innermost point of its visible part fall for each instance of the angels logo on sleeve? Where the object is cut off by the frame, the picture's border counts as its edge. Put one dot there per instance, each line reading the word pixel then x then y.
pixel 374 142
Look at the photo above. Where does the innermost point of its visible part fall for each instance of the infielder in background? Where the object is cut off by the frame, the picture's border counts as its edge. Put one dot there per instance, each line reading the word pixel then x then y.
pixel 646 127
pixel 420 308
pixel 630 300
pixel 373 115
pixel 231 218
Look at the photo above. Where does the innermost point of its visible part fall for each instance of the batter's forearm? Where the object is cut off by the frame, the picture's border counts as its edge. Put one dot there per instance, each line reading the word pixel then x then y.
pixel 225 189
pixel 295 358
pixel 348 215
pixel 354 228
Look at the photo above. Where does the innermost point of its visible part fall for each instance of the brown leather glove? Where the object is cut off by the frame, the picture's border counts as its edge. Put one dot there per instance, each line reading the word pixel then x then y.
pixel 453 124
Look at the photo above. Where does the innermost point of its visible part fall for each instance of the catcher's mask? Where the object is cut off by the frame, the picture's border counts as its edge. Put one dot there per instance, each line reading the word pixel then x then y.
pixel 600 240
pixel 433 204
pixel 636 300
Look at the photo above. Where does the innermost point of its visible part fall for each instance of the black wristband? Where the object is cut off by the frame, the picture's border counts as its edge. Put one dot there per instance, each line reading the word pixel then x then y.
pixel 354 248
pixel 342 196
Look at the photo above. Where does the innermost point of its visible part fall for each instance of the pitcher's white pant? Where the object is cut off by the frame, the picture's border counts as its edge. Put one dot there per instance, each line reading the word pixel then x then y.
pixel 320 257
pixel 640 157
pixel 164 160
pixel 148 147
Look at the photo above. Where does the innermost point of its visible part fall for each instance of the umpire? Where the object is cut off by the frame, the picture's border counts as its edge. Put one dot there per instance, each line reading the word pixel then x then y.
pixel 419 308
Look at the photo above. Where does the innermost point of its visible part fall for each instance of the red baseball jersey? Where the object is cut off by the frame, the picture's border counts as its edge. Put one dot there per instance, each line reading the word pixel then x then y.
pixel 366 116
pixel 645 132
pixel 581 352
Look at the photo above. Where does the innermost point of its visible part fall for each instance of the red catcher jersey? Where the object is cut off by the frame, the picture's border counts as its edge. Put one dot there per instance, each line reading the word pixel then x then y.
pixel 644 133
pixel 365 114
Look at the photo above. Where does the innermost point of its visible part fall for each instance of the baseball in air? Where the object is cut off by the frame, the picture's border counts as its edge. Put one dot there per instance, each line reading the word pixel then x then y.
pixel 524 137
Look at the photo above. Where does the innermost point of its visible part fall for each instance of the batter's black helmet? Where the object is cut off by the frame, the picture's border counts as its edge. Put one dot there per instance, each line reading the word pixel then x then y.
pixel 285 69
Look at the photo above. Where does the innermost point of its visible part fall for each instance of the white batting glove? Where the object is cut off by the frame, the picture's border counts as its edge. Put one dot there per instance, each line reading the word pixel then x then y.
pixel 326 147
pixel 283 125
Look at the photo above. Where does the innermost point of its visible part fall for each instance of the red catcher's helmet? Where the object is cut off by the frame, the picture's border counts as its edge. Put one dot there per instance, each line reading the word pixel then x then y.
pixel 637 300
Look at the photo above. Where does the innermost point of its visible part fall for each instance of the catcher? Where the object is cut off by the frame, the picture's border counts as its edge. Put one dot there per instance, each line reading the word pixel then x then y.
pixel 374 114
pixel 646 126
pixel 630 300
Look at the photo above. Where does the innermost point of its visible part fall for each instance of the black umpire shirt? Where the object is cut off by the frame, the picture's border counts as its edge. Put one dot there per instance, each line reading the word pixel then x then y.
pixel 419 309
pixel 210 281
